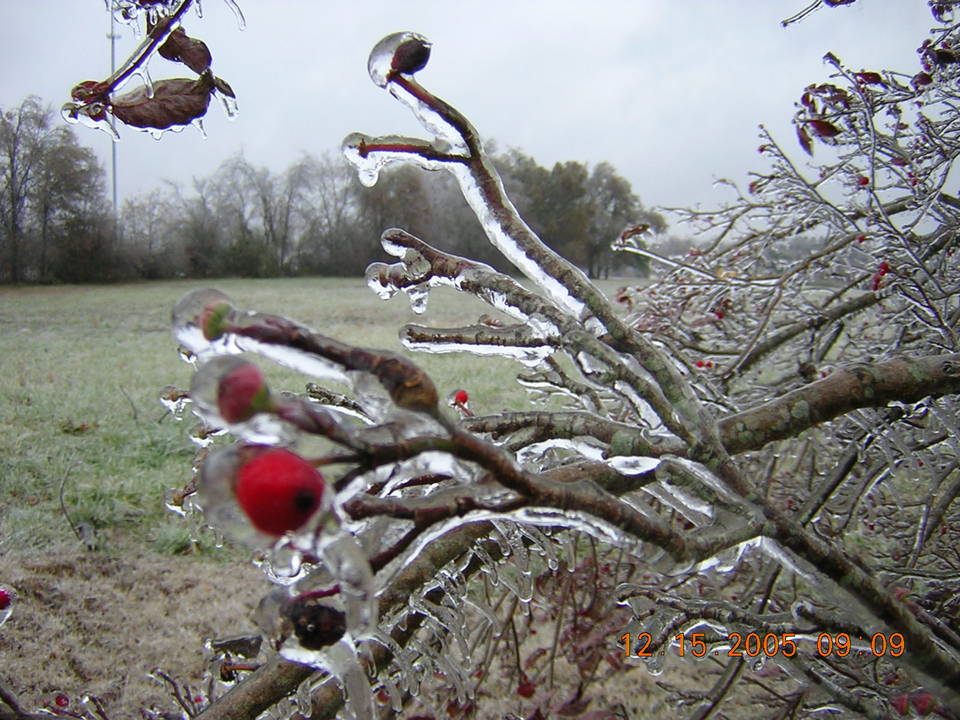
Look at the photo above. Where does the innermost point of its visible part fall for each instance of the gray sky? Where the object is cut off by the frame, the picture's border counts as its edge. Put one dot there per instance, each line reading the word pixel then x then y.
pixel 669 92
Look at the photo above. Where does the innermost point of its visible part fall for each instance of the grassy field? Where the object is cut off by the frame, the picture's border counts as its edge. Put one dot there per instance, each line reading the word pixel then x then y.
pixel 83 368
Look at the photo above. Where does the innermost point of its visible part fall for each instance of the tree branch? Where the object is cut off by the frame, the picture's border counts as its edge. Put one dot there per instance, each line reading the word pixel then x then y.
pixel 856 386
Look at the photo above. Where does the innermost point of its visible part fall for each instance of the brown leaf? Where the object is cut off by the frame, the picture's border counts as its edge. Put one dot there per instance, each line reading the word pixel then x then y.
pixel 224 87
pixel 920 80
pixel 822 128
pixel 869 78
pixel 175 101
pixel 193 53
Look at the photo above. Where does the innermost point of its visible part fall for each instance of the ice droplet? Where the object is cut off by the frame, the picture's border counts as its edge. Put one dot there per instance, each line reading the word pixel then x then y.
pixel 632 465
pixel 370 155
pixel 90 115
pixel 216 499
pixel 418 296
pixel 230 106
pixel 347 563
pixel 384 290
pixel 397 52
pixel 238 14
pixel 261 428
pixel 193 311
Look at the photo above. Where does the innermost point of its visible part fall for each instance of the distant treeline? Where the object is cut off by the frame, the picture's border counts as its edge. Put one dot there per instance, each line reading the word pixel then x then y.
pixel 313 218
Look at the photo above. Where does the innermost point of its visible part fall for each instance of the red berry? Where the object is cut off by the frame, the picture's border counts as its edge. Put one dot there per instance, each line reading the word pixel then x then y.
pixel 316 624
pixel 213 319
pixel 411 55
pixel 720 314
pixel 278 490
pixel 700 363
pixel 461 397
pixel 884 267
pixel 923 702
pixel 61 700
pixel 863 180
pixel 526 689
pixel 901 704
pixel 242 393
pixel 861 238
pixel 5 598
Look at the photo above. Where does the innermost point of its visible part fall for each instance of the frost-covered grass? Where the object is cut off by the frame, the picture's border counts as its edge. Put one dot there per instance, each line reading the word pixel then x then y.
pixel 82 370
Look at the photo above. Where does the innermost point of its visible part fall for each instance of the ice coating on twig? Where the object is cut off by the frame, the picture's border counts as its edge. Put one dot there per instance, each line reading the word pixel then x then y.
pixel 340 661
pixel 370 155
pixel 456 341
pixel 504 241
pixel 423 267
pixel 199 324
pixel 348 565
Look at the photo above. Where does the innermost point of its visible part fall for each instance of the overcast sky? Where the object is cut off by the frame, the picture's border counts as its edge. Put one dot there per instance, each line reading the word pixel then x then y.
pixel 671 93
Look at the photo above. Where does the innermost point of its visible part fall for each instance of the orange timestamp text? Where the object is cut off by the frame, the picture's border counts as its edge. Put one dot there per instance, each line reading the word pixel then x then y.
pixel 768 644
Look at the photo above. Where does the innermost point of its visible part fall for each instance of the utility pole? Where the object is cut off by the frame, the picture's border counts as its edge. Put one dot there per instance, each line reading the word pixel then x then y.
pixel 112 35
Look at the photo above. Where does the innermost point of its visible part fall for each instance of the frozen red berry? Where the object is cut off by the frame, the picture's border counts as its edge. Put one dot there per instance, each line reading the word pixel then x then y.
pixel 863 181
pixel 6 598
pixel 315 624
pixel 213 319
pixel 61 700
pixel 526 688
pixel 459 400
pixel 242 393
pixel 923 702
pixel 411 55
pixel 278 490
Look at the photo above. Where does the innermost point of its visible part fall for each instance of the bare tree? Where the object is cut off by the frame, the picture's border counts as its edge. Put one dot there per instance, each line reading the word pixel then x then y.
pixel 753 468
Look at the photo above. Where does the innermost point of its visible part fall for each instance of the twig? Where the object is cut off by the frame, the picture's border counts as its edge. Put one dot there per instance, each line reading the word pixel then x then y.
pixel 136 417
pixel 63 506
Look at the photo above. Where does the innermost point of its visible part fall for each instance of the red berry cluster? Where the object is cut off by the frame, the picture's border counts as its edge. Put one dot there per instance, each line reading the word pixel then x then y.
pixel 878 275
pixel 704 363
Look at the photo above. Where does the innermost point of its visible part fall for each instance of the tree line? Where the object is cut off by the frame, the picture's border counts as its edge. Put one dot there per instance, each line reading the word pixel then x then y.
pixel 56 223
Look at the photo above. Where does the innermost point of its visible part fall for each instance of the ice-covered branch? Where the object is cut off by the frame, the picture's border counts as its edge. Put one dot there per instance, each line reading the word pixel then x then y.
pixel 621 438
pixel 206 322
pixel 423 266
pixel 391 67
pixel 864 385
pixel 516 341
